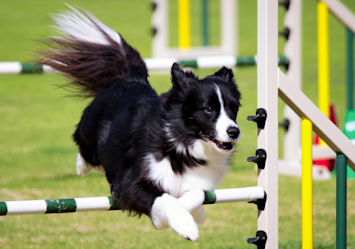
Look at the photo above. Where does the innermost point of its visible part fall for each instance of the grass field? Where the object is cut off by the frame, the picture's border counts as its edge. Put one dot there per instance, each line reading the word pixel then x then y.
pixel 37 155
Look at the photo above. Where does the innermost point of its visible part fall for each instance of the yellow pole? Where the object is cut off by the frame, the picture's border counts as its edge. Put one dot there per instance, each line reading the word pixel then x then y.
pixel 323 61
pixel 307 163
pixel 184 24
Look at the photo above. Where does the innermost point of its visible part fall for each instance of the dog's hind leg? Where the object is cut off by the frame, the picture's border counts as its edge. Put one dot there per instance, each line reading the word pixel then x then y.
pixel 82 167
pixel 101 169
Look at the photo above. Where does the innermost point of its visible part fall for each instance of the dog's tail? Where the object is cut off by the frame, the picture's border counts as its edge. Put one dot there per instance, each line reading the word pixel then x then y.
pixel 90 54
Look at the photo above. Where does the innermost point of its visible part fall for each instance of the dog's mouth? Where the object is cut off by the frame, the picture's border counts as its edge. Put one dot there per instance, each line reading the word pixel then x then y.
pixel 225 146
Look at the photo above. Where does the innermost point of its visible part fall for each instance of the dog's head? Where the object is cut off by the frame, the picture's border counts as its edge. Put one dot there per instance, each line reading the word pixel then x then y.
pixel 203 109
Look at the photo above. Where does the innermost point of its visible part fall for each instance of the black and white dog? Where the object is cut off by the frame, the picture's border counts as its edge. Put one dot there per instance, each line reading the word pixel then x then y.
pixel 159 153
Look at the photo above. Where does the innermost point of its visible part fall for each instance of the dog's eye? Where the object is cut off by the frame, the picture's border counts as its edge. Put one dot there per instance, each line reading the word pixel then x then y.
pixel 209 110
pixel 235 109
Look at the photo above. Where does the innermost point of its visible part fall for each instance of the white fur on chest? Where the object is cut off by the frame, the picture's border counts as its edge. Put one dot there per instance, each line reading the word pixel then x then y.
pixel 204 177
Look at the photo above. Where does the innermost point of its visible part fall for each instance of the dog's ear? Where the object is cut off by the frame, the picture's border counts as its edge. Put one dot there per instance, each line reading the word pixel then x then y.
pixel 225 73
pixel 180 78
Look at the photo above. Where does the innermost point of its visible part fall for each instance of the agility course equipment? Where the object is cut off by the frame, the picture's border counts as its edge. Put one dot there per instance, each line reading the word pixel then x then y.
pixel 196 57
pixel 160 46
pixel 291 163
pixel 154 63
pixel 341 201
pixel 271 83
pixel 267 46
pixel 334 138
pixel 49 206
pixel 292 49
pixel 349 123
pixel 349 131
pixel 307 195
pixel 15 67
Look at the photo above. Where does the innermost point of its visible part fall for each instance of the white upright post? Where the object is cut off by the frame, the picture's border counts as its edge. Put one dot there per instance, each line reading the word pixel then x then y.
pixel 229 27
pixel 160 22
pixel 292 139
pixel 267 68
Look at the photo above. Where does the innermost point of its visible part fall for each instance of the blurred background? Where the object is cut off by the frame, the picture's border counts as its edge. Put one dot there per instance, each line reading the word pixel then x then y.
pixel 37 119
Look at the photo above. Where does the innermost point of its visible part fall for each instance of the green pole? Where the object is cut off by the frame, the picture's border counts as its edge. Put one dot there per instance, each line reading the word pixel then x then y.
pixel 350 66
pixel 204 8
pixel 31 67
pixel 341 201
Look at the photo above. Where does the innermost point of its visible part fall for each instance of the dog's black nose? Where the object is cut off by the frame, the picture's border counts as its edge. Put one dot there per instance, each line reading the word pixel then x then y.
pixel 233 132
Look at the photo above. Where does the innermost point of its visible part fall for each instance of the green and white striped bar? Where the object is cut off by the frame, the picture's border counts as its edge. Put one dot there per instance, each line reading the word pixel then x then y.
pixel 14 67
pixel 108 203
pixel 152 63
pixel 208 62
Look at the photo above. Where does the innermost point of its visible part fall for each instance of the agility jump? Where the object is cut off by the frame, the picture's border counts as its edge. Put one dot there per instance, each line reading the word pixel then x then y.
pixel 107 203
pixel 271 84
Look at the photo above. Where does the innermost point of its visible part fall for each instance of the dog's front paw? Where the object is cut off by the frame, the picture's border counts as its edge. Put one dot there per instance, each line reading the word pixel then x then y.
pixel 167 212
pixel 184 224
pixel 192 199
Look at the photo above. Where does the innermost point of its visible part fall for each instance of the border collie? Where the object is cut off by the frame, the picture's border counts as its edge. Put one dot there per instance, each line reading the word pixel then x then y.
pixel 159 153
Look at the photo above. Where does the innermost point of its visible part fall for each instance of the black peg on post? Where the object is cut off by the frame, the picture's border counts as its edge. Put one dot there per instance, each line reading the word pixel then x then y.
pixel 259 118
pixel 260 202
pixel 259 240
pixel 153 6
pixel 285 124
pixel 154 31
pixel 285 3
pixel 259 158
pixel 285 32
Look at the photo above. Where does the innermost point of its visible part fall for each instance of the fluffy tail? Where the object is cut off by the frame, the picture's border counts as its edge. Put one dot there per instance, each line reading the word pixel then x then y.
pixel 90 54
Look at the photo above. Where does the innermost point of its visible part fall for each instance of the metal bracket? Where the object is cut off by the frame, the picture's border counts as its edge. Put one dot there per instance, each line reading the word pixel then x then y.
pixel 153 31
pixel 285 3
pixel 285 124
pixel 260 202
pixel 259 240
pixel 285 32
pixel 153 6
pixel 259 118
pixel 259 158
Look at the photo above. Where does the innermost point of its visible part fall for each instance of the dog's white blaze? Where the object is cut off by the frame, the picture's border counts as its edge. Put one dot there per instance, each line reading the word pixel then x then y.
pixel 73 24
pixel 223 121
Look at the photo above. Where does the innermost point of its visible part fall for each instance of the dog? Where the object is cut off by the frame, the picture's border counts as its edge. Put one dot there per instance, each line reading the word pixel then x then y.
pixel 159 153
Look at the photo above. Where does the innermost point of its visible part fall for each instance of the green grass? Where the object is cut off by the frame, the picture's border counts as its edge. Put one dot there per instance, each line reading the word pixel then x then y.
pixel 37 155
